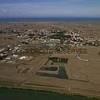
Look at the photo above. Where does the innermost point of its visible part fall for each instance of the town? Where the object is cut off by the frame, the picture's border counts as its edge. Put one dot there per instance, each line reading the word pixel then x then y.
pixel 51 56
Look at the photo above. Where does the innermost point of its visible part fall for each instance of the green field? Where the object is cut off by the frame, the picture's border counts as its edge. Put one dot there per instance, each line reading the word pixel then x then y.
pixel 11 94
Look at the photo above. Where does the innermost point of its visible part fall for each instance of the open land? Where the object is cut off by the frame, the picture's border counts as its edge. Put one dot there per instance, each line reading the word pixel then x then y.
pixel 57 57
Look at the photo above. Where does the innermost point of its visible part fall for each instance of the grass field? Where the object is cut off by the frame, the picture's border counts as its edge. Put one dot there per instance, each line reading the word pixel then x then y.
pixel 6 94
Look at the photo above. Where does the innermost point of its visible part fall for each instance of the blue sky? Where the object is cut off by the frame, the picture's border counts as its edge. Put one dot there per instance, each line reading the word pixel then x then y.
pixel 49 8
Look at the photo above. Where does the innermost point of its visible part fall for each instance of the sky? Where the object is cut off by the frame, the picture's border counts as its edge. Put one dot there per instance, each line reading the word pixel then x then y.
pixel 49 8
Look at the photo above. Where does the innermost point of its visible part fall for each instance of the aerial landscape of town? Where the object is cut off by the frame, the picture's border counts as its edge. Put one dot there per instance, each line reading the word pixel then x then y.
pixel 50 49
pixel 59 57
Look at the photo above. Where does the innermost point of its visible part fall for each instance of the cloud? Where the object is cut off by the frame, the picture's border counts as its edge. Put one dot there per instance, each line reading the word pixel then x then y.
pixel 50 8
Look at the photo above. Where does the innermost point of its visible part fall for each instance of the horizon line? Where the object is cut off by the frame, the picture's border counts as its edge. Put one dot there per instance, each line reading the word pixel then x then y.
pixel 45 17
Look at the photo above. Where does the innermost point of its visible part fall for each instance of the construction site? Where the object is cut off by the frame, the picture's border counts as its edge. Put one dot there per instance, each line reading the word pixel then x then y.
pixel 54 57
